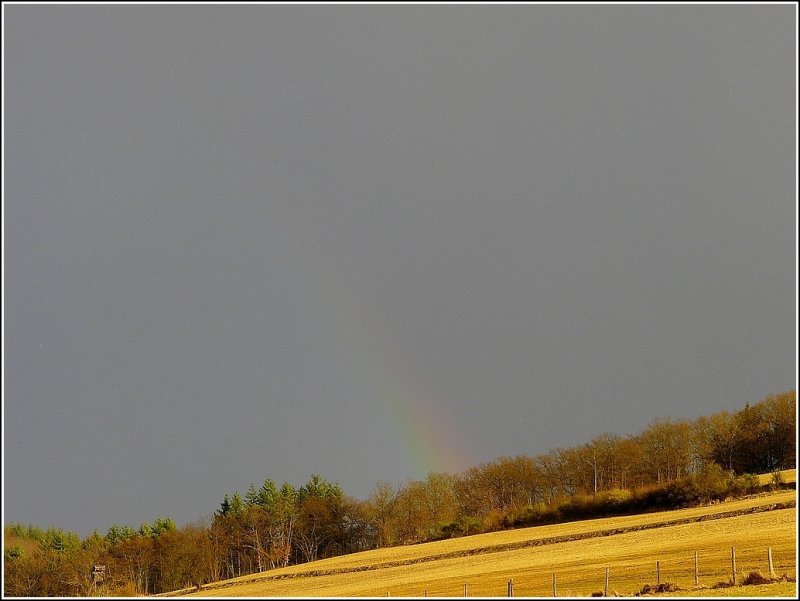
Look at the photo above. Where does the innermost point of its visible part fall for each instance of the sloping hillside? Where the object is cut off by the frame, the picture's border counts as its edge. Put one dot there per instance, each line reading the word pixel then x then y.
pixel 578 553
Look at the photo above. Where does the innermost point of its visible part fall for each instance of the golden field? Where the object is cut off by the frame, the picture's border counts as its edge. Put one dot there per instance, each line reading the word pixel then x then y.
pixel 578 553
pixel 775 589
pixel 785 475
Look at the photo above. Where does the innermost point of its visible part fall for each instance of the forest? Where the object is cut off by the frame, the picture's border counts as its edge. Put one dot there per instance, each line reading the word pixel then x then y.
pixel 670 464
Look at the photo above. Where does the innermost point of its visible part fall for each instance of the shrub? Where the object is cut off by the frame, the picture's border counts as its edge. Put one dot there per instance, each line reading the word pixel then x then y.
pixel 448 530
pixel 12 553
pixel 664 587
pixel 746 483
pixel 712 482
pixel 755 578
pixel 578 507
pixel 464 526
pixel 530 515
pixel 680 493
pixel 647 497
pixel 470 525
pixel 493 521
pixel 618 498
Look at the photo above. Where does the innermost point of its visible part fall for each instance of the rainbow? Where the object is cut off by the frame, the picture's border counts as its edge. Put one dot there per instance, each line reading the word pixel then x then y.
pixel 431 438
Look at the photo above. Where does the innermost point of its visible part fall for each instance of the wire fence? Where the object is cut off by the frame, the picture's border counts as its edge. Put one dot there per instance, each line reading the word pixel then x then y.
pixel 701 568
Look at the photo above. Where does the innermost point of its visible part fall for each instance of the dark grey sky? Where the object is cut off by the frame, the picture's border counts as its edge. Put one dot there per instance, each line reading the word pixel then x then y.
pixel 244 242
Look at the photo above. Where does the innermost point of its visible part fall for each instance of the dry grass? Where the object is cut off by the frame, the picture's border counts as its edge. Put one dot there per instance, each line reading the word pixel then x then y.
pixel 577 553
pixel 773 590
pixel 787 476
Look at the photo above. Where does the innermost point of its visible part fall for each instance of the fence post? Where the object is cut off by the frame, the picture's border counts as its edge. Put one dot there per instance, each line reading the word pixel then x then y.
pixel 510 587
pixel 733 564
pixel 658 572
pixel 555 591
pixel 769 559
pixel 696 573
pixel 605 588
pixel 465 589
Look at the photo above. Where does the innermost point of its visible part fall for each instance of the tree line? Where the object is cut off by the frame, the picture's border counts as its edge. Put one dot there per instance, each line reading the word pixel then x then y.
pixel 671 463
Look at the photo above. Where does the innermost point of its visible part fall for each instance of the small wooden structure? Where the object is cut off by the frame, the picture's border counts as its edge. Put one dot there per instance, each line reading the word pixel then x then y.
pixel 98 574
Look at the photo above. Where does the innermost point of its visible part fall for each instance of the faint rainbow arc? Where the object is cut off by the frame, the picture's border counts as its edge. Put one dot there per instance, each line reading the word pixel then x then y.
pixel 430 437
